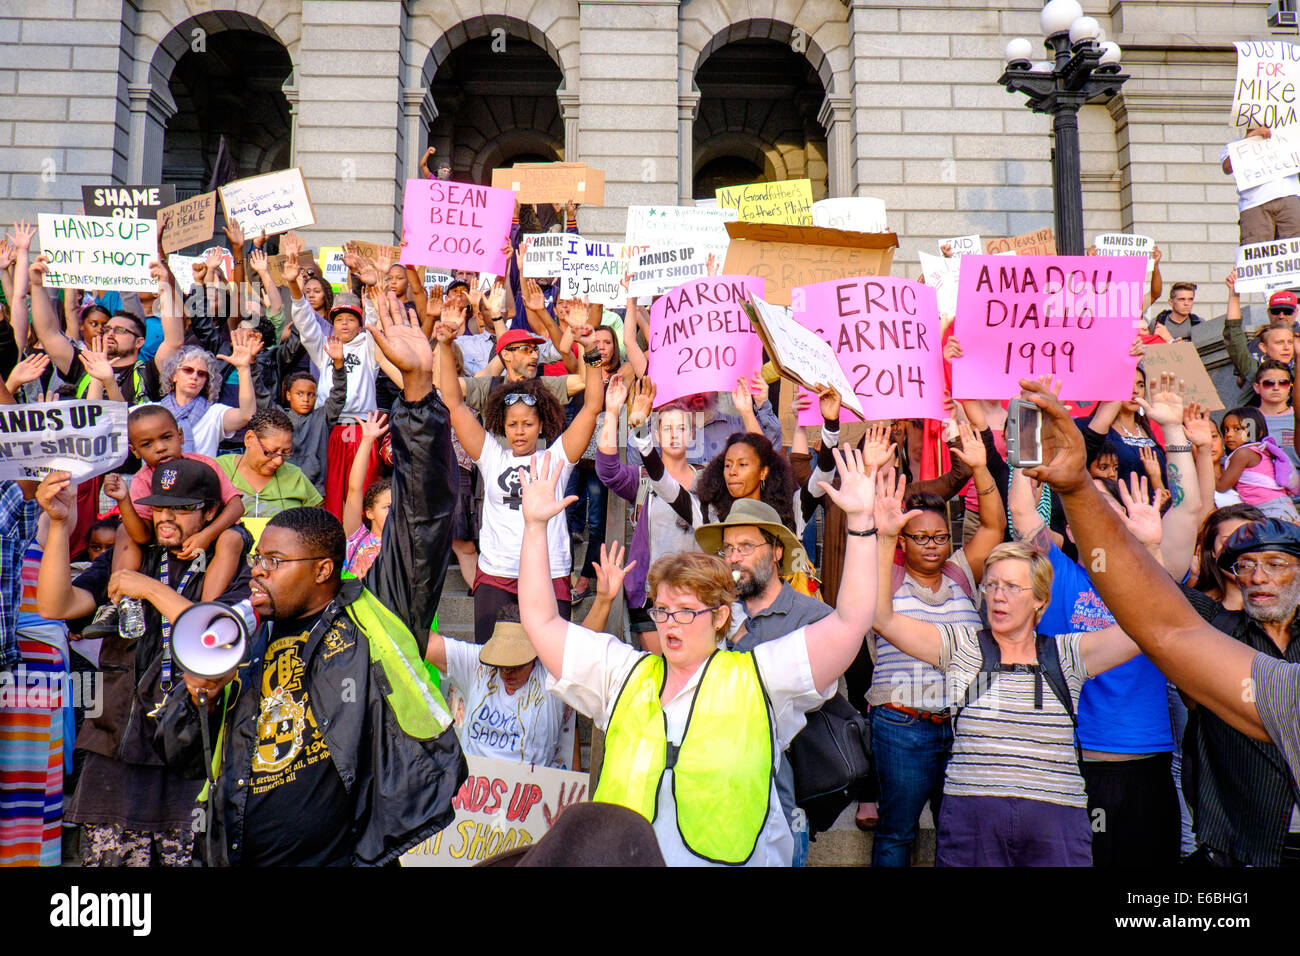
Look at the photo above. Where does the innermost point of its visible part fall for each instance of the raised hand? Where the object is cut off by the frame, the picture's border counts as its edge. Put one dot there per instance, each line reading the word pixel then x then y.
pixel 235 235
pixel 244 344
pixel 829 400
pixel 877 449
pixel 496 300
pixel 801 402
pixel 1142 518
pixel 711 265
pixel 291 244
pixel 891 519
pixel 374 426
pixel 383 259
pixel 1166 404
pixel 334 349
pixel 433 305
pixel 257 260
pixel 8 254
pixel 36 271
pixel 212 261
pixel 199 270
pixel 1197 425
pixel 399 337
pixel 951 349
pixel 643 399
pixel 610 570
pixel 56 496
pixel 21 236
pixel 1064 464
pixel 972 450
pixel 29 369
pixel 742 397
pixel 260 241
pixel 1231 282
pixel 856 494
pixel 615 395
pixel 94 359
pixel 1151 465
pixel 539 502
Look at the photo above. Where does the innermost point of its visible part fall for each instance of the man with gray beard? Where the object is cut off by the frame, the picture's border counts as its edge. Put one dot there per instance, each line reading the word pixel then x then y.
pixel 1244 811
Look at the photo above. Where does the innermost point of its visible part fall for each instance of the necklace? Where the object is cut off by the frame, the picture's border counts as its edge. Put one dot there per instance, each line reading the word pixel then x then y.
pixel 257 495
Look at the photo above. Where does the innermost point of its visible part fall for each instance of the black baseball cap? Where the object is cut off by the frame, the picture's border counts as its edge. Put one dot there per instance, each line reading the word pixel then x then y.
pixel 182 482
pixel 1271 534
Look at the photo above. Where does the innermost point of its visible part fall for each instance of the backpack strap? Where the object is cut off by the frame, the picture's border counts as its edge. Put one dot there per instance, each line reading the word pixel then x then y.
pixel 990 661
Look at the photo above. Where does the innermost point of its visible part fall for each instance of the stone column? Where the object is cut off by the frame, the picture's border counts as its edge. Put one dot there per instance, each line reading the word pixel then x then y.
pixel 150 110
pixel 688 106
pixel 836 118
pixel 570 113
pixel 419 113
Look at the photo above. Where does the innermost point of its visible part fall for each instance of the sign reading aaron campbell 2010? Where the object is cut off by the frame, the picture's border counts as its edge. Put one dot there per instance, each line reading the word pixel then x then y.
pixel 82 438
pixel 99 252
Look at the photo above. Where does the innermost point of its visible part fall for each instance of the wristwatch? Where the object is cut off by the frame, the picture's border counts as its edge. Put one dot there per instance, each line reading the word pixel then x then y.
pixel 592 358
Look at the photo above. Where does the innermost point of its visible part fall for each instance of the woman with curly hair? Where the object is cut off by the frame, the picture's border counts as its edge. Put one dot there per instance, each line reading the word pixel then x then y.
pixel 191 382
pixel 747 467
pixel 519 418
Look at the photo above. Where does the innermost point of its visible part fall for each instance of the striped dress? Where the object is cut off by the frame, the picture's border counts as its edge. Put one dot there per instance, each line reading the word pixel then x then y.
pixel 32 714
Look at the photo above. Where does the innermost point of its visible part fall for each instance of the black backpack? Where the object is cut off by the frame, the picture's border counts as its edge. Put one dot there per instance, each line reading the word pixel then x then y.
pixel 1048 669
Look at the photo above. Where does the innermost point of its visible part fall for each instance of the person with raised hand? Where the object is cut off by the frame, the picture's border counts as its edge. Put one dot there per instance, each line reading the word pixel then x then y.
pixel 365 509
pixel 744 708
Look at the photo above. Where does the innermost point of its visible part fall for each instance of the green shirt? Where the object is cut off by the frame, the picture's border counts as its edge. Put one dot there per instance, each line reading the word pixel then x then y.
pixel 289 488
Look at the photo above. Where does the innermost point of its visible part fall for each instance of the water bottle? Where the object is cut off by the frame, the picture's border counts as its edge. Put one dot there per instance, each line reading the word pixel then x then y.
pixel 130 618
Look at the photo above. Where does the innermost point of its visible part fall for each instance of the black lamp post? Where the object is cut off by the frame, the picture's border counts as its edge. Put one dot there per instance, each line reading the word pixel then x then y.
pixel 1082 69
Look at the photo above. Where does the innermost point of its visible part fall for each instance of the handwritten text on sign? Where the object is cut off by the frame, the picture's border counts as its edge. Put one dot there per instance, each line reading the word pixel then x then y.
pixel 456 224
pixel 1256 159
pixel 1268 266
pixel 789 201
pixel 668 226
pixel 542 254
pixel 885 334
pixel 1071 317
pixel 701 339
pixel 271 203
pixel 1268 75
pixel 84 439
pixel 500 806
pixel 99 252
pixel 595 270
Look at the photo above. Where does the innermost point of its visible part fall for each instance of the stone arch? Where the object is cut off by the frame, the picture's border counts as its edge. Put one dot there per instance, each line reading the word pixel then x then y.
pixel 778 31
pixel 747 146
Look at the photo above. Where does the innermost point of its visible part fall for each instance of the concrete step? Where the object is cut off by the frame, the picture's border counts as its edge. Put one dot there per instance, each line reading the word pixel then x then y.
pixel 845 845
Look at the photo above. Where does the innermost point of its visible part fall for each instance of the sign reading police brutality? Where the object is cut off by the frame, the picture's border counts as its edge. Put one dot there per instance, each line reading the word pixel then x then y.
pixel 271 203
pixel 789 201
pixel 701 339
pixel 1259 159
pixel 1070 317
pixel 503 804
pixel 128 202
pixel 1268 75
pixel 85 439
pixel 456 224
pixel 885 333
pixel 99 252
pixel 1268 266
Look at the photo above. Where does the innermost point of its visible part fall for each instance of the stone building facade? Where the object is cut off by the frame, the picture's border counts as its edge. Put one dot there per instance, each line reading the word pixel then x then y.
pixel 670 97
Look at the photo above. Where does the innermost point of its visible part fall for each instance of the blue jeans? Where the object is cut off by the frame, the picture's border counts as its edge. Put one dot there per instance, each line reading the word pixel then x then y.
pixel 589 512
pixel 911 756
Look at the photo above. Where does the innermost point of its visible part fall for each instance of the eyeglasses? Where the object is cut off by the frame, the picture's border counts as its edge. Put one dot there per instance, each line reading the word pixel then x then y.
pixel 926 539
pixel 121 330
pixel 660 615
pixel 282 455
pixel 200 372
pixel 1245 568
pixel 268 562
pixel 526 349
pixel 1275 383
pixel 744 550
pixel 1010 590
pixel 514 398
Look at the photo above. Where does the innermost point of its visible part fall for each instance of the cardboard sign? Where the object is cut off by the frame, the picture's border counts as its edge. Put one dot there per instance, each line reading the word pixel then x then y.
pixel 275 265
pixel 788 256
pixel 99 252
pixel 371 250
pixel 1182 359
pixel 941 274
pixel 885 334
pixel 189 221
pixel 128 202
pixel 595 269
pixel 333 269
pixel 456 224
pixel 553 183
pixel 1256 160
pixel 1071 317
pixel 1268 266
pixel 501 805
pixel 959 246
pixel 701 339
pixel 85 439
pixel 853 214
pixel 799 353
pixel 667 226
pixel 271 203
pixel 789 201
pixel 1268 74
pixel 541 254
pixel 658 270
pixel 1038 243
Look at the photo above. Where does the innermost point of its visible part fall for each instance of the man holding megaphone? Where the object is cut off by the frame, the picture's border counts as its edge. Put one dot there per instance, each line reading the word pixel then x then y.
pixel 313 760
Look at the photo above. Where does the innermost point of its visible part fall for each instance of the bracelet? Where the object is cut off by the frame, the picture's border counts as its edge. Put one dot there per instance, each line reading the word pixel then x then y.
pixel 592 358
pixel 862 534
pixel 1174 449
pixel 986 491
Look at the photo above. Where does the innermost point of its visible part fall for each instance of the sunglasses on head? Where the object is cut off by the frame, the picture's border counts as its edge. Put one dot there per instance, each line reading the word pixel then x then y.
pixel 514 398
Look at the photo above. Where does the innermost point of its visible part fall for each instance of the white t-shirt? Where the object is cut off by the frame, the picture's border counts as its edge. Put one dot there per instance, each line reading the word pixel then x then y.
pixel 530 725
pixel 358 360
pixel 210 431
pixel 595 667
pixel 1264 192
pixel 502 531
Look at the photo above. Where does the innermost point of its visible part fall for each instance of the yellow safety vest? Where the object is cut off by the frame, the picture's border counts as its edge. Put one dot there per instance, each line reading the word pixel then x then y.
pixel 722 771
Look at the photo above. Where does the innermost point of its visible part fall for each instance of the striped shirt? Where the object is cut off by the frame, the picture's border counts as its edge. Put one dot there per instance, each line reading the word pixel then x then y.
pixel 902 679
pixel 1277 698
pixel 1002 745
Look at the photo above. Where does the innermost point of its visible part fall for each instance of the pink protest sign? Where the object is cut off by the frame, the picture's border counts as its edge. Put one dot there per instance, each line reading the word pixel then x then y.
pixel 1071 317
pixel 701 339
pixel 885 333
pixel 456 225
pixel 811 416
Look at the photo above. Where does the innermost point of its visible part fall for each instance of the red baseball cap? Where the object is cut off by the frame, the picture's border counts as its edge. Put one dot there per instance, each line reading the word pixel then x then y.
pixel 517 337
pixel 1285 299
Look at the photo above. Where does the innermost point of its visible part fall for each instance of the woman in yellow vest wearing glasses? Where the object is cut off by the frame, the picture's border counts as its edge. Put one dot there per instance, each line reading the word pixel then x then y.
pixel 693 737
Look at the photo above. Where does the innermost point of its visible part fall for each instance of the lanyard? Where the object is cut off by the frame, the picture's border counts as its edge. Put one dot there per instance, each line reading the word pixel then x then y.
pixel 164 574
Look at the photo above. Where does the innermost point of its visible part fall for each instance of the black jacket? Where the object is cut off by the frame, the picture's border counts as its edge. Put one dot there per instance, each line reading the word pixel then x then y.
pixel 402 787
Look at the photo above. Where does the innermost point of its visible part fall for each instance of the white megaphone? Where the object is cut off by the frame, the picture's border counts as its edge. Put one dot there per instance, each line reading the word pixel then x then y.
pixel 209 640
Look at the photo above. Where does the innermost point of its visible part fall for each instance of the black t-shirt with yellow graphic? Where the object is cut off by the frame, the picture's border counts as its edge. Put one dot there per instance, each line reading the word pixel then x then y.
pixel 298 812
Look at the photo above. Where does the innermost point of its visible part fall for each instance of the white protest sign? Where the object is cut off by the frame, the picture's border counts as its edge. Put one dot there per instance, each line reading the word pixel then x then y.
pixel 333 269
pixel 595 269
pixel 1256 159
pixel 271 203
pixel 541 251
pixel 1268 75
pixel 941 274
pixel 99 252
pixel 503 804
pixel 182 267
pixel 660 270
pixel 85 439
pixel 433 277
pixel 1268 266
pixel 1125 244
pixel 801 354
pixel 961 245
pixel 852 214
pixel 703 227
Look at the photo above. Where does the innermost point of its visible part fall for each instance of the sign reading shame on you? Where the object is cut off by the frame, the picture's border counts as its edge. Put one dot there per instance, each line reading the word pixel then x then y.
pixel 1070 317
pixel 701 339
pixel 85 439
